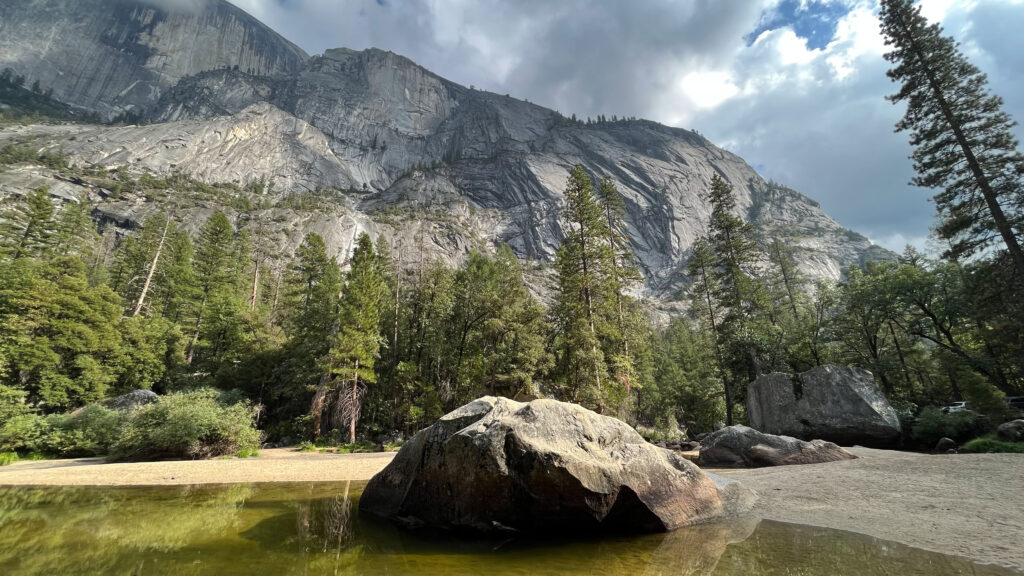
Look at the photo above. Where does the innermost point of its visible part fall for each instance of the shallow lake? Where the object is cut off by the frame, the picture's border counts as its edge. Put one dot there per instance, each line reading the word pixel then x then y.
pixel 314 529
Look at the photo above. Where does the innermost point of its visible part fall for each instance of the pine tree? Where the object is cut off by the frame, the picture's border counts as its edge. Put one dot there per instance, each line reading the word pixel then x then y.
pixel 214 259
pixel 627 333
pixel 742 296
pixel 962 137
pixel 27 230
pixel 582 263
pixel 704 299
pixel 355 348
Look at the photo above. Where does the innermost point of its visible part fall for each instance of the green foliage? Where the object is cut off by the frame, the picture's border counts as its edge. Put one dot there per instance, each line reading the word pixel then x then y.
pixel 306 446
pixel 599 330
pixel 989 444
pixel 933 424
pixel 89 431
pixel 192 425
pixel 7 458
pixel 963 141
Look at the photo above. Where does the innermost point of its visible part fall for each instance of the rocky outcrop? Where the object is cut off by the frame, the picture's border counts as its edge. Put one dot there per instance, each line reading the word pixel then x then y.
pixel 133 400
pixel 115 56
pixel 745 447
pixel 542 466
pixel 1012 431
pixel 405 140
pixel 838 404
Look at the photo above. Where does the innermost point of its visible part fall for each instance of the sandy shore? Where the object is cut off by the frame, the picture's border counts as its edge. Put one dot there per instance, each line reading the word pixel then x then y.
pixel 273 465
pixel 967 505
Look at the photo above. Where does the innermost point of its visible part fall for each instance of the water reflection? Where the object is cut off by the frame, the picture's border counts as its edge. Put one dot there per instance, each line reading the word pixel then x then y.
pixel 313 529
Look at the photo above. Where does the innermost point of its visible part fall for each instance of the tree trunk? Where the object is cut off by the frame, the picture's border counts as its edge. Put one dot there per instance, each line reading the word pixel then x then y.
pixel 354 414
pixel 195 335
pixel 152 269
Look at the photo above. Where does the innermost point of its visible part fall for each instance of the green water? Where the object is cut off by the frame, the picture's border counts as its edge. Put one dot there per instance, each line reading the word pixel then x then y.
pixel 314 529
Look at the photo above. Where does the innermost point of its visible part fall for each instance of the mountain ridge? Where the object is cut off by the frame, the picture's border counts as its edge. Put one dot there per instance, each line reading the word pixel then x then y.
pixel 398 137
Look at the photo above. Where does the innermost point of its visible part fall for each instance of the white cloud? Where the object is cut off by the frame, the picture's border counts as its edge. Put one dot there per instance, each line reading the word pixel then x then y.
pixel 816 120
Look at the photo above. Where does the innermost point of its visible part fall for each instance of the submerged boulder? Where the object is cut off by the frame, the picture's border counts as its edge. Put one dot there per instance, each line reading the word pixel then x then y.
pixel 838 404
pixel 496 464
pixel 744 446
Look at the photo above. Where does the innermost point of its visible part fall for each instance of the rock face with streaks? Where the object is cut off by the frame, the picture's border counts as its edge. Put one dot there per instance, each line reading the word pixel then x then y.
pixel 398 140
pixel 117 56
pixel 544 466
pixel 838 404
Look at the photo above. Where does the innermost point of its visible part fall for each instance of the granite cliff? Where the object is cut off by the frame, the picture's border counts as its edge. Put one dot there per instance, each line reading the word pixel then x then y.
pixel 401 149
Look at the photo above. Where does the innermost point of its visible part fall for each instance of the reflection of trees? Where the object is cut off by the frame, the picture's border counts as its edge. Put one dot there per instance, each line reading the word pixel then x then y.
pixel 312 529
pixel 82 530
pixel 326 532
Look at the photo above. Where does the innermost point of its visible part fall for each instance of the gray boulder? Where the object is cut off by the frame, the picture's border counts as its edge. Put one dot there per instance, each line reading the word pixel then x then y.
pixel 132 400
pixel 944 445
pixel 496 464
pixel 746 447
pixel 838 404
pixel 1012 431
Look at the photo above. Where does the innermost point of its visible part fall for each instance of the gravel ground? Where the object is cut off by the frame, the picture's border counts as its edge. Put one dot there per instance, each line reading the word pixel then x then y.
pixel 969 505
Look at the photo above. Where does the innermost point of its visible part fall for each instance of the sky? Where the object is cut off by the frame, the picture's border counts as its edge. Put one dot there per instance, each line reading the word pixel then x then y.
pixel 795 87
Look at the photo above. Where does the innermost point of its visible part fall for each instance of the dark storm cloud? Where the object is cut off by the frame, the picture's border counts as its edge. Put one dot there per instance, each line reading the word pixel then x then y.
pixel 807 111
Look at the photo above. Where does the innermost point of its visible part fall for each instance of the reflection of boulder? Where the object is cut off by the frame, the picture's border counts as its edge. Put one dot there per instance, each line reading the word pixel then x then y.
pixel 837 404
pixel 743 446
pixel 497 464
pixel 696 550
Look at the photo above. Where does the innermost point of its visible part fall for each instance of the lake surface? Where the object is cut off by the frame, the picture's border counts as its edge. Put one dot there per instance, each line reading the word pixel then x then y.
pixel 314 529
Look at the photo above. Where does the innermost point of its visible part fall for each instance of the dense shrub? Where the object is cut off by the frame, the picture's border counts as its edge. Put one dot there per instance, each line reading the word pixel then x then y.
pixel 89 431
pixel 934 424
pixel 990 444
pixel 196 424
pixel 23 433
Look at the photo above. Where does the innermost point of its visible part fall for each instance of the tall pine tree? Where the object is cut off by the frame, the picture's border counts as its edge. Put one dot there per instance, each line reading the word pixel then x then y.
pixel 961 136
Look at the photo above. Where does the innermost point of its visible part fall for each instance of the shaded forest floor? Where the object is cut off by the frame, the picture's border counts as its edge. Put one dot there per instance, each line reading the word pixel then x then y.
pixel 969 505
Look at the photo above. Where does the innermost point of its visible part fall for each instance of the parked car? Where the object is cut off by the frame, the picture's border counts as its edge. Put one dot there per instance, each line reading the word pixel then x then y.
pixel 955 407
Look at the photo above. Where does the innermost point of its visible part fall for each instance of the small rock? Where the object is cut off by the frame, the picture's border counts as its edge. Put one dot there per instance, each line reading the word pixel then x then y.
pixel 945 445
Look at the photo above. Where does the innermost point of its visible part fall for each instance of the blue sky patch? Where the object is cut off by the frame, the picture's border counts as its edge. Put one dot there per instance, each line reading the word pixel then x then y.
pixel 813 20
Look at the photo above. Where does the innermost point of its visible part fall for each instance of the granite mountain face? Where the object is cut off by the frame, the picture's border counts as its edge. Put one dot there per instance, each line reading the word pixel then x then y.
pixel 435 166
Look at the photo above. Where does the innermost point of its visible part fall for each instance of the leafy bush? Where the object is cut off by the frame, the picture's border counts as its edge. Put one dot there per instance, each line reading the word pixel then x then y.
pixel 933 424
pixel 23 433
pixel 989 444
pixel 196 424
pixel 90 431
pixel 8 458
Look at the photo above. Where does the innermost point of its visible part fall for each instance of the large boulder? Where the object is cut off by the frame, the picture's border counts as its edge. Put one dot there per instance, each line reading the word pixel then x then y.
pixel 838 404
pixel 1012 431
pixel 496 464
pixel 744 446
